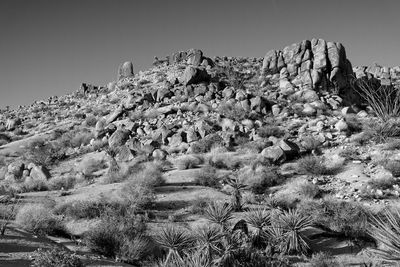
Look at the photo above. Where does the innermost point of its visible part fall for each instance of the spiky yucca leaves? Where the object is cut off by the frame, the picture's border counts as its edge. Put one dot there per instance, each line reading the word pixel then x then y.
pixel 386 230
pixel 209 241
pixel 287 229
pixel 237 187
pixel 219 213
pixel 258 218
pixel 176 241
pixel 193 259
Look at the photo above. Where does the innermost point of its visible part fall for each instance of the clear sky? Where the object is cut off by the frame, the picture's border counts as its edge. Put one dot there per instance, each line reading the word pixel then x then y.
pixel 49 47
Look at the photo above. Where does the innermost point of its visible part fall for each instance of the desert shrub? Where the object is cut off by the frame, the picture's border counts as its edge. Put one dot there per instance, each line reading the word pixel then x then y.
pixel 76 138
pixel 353 124
pixel 308 189
pixel 315 165
pixel 382 183
pixel 253 146
pixel 150 175
pixel 188 162
pixel 89 165
pixel 87 209
pixel 122 236
pixel 259 178
pixel 233 112
pixel 44 153
pixel 393 166
pixel 268 130
pixel 350 153
pixel 392 145
pixel 31 185
pixel 310 143
pixel 347 218
pixel 205 144
pixel 138 195
pixel 207 176
pixel 38 219
pixel 383 99
pixel 381 132
pixel 60 182
pixel 54 258
pixel 323 259
pixel 91 121
pixel 198 205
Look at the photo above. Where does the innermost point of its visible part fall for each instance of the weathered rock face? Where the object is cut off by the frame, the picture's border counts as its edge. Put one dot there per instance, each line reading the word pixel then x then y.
pixel 386 75
pixel 125 70
pixel 193 75
pixel 88 88
pixel 309 65
pixel 191 57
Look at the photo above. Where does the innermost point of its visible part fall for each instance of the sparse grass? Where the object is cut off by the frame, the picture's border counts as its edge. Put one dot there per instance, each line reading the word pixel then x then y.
pixel 205 144
pixel 350 153
pixel 381 132
pixel 382 183
pixel 392 145
pixel 198 205
pixel 323 259
pixel 55 257
pixel 188 162
pixel 90 165
pixel 38 219
pixel 307 189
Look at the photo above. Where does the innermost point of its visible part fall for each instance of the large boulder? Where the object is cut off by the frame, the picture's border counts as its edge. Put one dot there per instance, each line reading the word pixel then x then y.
pixel 38 172
pixel 275 154
pixel 194 57
pixel 125 70
pixel 194 75
pixel 118 138
pixel 11 124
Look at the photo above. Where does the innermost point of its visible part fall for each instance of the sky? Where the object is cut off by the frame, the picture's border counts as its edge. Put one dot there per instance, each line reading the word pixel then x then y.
pixel 49 47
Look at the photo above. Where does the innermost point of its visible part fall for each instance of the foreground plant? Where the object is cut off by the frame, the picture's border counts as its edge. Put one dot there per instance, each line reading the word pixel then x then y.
pixel 219 213
pixel 386 230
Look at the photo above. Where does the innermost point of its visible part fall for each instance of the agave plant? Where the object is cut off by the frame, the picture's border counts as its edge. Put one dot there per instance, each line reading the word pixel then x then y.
pixel 209 241
pixel 219 213
pixel 386 230
pixel 288 231
pixel 176 241
pixel 258 218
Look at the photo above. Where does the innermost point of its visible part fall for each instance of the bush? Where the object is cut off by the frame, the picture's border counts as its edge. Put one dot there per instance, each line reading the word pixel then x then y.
pixel 38 219
pixel 353 124
pixel 91 121
pixel 138 195
pixel 259 178
pixel 76 138
pixel 347 218
pixel 205 144
pixel 315 165
pixel 393 166
pixel 381 132
pixel 89 165
pixel 384 100
pixel 55 258
pixel 120 235
pixel 308 190
pixel 267 131
pixel 150 175
pixel 87 209
pixel 207 176
pixel 198 206
pixel 350 153
pixel 188 162
pixel 59 183
pixel 44 153
pixel 323 259
pixel 392 145
pixel 310 143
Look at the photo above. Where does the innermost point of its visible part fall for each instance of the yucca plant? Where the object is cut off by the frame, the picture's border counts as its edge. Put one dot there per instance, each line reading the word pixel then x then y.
pixel 219 213
pixel 237 187
pixel 176 241
pixel 288 231
pixel 386 230
pixel 209 241
pixel 258 218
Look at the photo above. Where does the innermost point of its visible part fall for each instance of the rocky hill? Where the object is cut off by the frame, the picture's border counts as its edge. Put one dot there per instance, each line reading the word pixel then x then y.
pixel 290 128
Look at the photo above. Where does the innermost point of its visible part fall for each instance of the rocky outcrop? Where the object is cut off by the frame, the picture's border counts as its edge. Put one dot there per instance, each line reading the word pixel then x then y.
pixel 386 75
pixel 125 70
pixel 309 65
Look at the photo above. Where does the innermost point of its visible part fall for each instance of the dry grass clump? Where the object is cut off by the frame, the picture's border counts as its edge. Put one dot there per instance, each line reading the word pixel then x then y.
pixel 38 219
pixel 61 183
pixel 259 178
pixel 55 257
pixel 393 166
pixel 90 165
pixel 392 145
pixel 185 162
pixel 44 153
pixel 207 176
pixel 205 144
pixel 347 218
pixel 316 165
pixel 310 143
pixel 350 153
pixel 270 130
